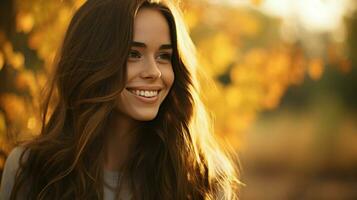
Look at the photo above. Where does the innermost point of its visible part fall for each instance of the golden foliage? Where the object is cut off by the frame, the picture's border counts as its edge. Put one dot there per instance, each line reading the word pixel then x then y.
pixel 24 21
pixel 14 107
pixel 256 2
pixel 316 68
pixel 218 52
pixel 257 66
pixel 2 123
pixel 15 59
pixel 2 60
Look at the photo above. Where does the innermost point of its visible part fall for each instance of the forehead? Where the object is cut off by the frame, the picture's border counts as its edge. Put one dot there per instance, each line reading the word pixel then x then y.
pixel 151 26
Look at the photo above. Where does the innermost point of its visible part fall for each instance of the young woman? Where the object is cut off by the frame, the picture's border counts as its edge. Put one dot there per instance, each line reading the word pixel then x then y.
pixel 127 121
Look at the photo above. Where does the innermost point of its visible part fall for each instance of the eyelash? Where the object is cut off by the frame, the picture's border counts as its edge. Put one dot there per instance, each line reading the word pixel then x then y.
pixel 133 54
pixel 136 55
pixel 165 56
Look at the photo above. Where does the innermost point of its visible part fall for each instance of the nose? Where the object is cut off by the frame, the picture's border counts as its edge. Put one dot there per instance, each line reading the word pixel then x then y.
pixel 151 70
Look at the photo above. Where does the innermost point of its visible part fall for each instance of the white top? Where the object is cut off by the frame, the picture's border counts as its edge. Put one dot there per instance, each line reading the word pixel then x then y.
pixel 111 179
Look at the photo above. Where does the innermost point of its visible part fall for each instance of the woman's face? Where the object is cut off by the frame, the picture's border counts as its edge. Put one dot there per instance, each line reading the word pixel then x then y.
pixel 149 68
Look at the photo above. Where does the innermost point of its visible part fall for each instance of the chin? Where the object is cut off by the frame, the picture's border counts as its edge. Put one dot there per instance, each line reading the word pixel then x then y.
pixel 145 118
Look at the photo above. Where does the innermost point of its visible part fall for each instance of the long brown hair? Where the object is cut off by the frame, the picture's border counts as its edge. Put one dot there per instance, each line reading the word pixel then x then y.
pixel 176 158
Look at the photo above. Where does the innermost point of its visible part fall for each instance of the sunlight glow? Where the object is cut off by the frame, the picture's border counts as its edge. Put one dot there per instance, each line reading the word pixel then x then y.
pixel 321 15
pixel 313 15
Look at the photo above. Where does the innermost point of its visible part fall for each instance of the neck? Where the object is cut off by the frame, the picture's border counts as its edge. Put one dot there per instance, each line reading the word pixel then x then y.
pixel 120 139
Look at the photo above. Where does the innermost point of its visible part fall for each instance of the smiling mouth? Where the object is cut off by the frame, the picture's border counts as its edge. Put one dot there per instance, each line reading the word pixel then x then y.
pixel 144 93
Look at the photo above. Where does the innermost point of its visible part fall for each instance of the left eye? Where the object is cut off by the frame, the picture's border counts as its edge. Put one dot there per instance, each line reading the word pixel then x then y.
pixel 164 56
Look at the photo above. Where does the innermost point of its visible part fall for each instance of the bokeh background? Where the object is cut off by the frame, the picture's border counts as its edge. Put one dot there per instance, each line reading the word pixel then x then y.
pixel 283 95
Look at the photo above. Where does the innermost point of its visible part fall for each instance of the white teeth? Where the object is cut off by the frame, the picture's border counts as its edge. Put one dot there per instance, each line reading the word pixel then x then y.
pixel 145 93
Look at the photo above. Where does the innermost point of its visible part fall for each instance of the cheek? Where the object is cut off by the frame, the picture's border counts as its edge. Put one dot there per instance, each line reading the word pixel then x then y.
pixel 169 76
pixel 121 103
pixel 130 71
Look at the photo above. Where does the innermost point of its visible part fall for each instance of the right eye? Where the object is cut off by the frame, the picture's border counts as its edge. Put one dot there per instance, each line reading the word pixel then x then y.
pixel 134 55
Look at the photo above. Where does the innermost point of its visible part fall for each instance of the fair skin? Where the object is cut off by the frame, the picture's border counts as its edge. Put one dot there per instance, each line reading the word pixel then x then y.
pixel 149 79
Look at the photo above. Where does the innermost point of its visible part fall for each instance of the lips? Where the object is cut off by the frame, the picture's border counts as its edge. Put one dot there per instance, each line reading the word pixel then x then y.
pixel 144 93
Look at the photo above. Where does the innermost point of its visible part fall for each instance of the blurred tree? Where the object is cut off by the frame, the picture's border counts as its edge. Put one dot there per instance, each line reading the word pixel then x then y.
pixel 7 20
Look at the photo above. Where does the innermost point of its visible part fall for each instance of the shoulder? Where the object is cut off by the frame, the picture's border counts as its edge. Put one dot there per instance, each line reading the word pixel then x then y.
pixel 10 168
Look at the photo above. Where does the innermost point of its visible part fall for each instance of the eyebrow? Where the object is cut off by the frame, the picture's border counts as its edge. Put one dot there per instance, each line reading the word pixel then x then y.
pixel 140 44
